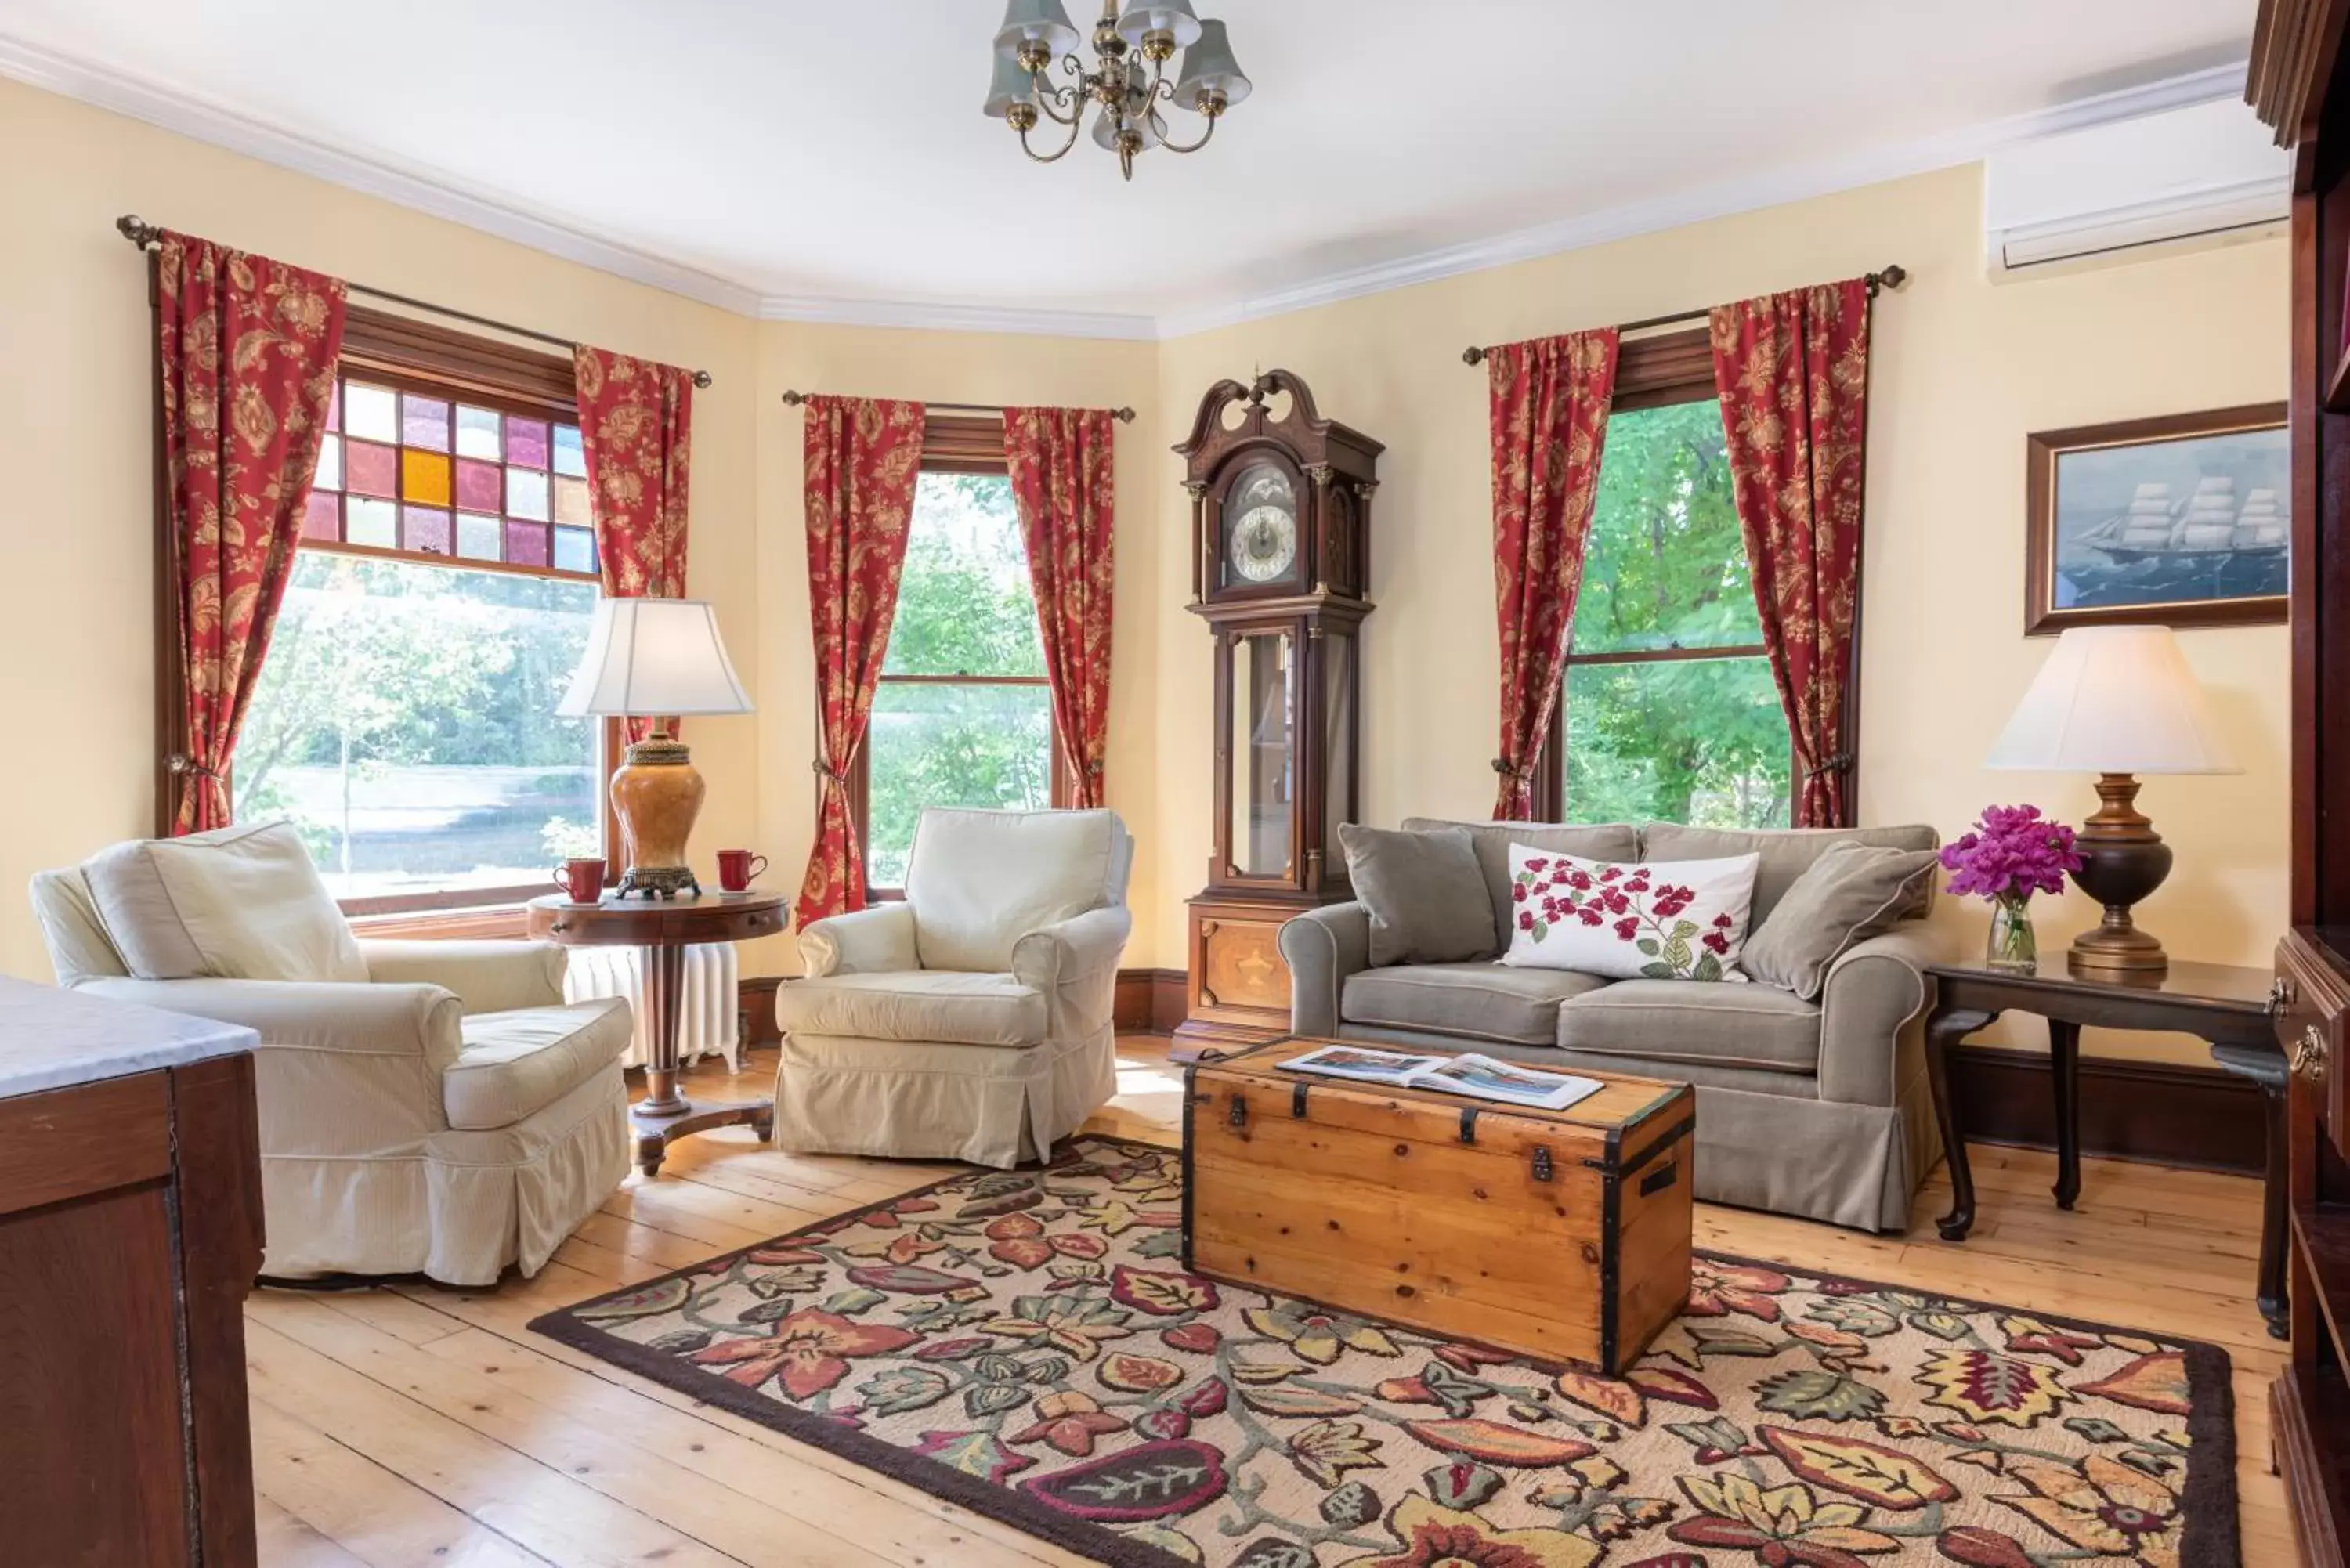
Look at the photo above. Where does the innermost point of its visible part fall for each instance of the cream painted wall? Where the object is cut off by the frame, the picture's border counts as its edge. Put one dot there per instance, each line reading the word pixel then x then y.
pixel 75 444
pixel 1963 369
pixel 960 367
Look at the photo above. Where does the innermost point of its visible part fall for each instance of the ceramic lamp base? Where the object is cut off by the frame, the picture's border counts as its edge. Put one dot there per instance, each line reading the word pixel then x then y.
pixel 657 794
pixel 2122 861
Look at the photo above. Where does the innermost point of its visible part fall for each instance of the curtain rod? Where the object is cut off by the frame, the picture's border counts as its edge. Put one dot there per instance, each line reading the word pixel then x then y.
pixel 145 235
pixel 1124 416
pixel 1893 276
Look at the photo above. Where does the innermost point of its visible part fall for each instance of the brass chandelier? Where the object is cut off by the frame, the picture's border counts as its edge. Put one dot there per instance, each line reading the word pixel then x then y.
pixel 1146 33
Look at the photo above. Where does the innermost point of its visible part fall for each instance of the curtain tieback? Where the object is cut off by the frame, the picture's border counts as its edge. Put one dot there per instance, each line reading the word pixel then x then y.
pixel 826 770
pixel 1836 763
pixel 181 763
pixel 1520 775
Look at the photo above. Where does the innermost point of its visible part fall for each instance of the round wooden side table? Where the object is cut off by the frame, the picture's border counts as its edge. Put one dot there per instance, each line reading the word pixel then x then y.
pixel 664 929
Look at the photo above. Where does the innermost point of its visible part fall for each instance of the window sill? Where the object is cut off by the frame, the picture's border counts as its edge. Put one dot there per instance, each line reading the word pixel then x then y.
pixel 486 921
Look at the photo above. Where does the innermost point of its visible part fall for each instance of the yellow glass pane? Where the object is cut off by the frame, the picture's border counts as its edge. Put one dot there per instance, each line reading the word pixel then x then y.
pixel 424 477
pixel 571 502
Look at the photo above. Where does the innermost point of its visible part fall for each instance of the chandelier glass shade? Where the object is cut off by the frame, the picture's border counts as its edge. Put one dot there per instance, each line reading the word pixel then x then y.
pixel 1040 76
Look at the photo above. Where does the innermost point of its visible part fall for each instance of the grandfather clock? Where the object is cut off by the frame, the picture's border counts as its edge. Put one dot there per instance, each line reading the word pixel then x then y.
pixel 1281 511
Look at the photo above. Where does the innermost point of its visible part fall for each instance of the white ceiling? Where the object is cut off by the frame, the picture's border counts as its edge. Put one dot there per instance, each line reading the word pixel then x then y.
pixel 827 157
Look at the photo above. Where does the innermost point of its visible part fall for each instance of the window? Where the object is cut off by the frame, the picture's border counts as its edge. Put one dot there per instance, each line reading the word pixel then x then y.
pixel 962 715
pixel 1669 711
pixel 404 719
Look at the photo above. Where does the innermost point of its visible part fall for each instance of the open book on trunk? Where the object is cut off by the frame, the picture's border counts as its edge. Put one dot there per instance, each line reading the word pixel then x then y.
pixel 1481 1077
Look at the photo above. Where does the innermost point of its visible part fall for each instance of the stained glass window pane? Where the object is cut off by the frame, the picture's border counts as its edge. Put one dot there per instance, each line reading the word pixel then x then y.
pixel 330 464
pixel 526 494
pixel 574 550
pixel 370 522
pixel 477 537
pixel 370 470
pixel 568 457
pixel 526 443
pixel 427 528
pixel 370 413
pixel 477 485
pixel 526 543
pixel 477 433
pixel 571 501
pixel 424 422
pixel 323 518
pixel 335 407
pixel 424 477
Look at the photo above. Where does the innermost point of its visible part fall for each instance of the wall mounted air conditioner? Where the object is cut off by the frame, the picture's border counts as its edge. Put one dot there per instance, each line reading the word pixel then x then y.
pixel 2206 174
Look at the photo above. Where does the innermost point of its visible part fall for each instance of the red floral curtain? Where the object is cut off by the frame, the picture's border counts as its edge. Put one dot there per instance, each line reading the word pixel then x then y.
pixel 249 348
pixel 1550 420
pixel 1063 482
pixel 636 425
pixel 1793 371
pixel 862 456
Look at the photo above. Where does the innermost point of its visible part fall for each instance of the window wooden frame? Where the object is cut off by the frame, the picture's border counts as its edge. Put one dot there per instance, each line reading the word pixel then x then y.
pixel 1650 373
pixel 407 355
pixel 951 443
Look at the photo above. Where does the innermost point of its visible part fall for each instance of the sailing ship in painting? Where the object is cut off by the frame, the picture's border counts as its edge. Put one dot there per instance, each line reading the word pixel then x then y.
pixel 2176 541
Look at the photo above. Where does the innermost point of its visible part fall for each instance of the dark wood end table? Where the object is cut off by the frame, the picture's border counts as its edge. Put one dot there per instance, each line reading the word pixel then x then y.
pixel 664 929
pixel 2229 1008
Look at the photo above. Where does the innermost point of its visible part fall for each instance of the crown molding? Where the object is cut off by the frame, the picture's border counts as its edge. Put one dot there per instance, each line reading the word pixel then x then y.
pixel 184 114
pixel 103 86
pixel 1726 199
pixel 920 317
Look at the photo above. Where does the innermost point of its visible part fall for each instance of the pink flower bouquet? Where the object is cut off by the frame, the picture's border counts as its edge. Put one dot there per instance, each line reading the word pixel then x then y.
pixel 2013 852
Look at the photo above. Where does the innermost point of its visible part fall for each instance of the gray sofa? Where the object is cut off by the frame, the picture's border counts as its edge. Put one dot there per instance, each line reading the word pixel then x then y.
pixel 1819 1110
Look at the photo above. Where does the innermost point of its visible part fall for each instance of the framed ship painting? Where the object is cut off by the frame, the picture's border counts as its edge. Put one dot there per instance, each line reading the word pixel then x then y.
pixel 2181 521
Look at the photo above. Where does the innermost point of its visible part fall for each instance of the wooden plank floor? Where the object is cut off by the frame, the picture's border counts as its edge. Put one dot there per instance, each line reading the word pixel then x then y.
pixel 412 1426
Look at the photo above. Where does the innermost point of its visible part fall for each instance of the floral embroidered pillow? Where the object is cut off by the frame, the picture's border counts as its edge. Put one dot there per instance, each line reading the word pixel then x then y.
pixel 1657 920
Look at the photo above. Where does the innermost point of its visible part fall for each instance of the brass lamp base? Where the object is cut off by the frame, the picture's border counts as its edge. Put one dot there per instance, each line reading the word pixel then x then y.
pixel 657 794
pixel 2122 861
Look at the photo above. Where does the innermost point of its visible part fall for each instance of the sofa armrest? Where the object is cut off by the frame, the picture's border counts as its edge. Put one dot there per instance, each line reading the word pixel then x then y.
pixel 1075 963
pixel 875 941
pixel 1875 991
pixel 487 976
pixel 1322 947
pixel 358 1020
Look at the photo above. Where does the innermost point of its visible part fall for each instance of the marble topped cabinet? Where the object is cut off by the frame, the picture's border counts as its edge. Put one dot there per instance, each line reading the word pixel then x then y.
pixel 131 1230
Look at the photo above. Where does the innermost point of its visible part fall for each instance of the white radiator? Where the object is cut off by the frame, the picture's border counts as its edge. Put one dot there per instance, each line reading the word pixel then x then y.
pixel 708 1019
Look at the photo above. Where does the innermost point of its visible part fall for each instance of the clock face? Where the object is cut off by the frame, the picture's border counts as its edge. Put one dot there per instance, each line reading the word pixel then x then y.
pixel 1261 537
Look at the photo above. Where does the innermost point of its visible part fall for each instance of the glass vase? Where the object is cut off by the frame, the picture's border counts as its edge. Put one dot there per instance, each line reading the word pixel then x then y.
pixel 2013 947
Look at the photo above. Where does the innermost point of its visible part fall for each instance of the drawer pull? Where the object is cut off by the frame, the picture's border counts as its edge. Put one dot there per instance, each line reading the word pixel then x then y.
pixel 2280 995
pixel 2309 1055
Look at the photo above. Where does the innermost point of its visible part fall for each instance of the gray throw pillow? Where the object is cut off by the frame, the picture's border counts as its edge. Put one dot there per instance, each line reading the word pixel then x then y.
pixel 1851 893
pixel 1426 897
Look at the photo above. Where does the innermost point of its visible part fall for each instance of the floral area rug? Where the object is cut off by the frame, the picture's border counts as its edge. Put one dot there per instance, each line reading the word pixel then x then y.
pixel 1028 1345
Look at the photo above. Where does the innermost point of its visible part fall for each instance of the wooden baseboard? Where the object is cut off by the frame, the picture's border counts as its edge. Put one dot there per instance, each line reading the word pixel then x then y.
pixel 2159 1112
pixel 1151 1000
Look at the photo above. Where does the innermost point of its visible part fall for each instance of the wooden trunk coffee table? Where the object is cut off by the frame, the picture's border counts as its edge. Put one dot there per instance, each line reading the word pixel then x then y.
pixel 664 929
pixel 1562 1235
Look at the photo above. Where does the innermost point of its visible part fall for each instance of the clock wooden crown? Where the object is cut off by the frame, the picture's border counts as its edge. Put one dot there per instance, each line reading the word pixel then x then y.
pixel 1239 468
pixel 1281 561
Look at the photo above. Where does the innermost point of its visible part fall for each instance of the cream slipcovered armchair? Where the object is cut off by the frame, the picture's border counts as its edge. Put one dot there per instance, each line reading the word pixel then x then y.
pixel 973 1020
pixel 426 1107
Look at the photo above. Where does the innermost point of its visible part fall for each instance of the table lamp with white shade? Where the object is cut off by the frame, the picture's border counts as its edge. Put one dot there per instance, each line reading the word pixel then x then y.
pixel 658 660
pixel 2118 702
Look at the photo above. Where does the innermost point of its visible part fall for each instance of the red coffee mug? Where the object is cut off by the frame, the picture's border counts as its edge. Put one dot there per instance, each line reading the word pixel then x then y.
pixel 582 881
pixel 736 867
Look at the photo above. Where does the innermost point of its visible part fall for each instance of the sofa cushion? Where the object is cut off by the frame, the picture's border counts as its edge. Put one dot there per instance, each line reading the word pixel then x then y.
pixel 1424 892
pixel 955 1006
pixel 1659 919
pixel 978 881
pixel 236 903
pixel 1492 841
pixel 514 1064
pixel 1848 894
pixel 1786 853
pixel 1471 1000
pixel 1663 1022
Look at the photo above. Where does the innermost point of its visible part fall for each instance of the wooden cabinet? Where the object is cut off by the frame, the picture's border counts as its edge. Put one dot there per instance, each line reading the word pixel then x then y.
pixel 129 1233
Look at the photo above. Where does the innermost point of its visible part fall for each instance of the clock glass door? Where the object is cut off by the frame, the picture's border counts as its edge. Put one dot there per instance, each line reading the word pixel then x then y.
pixel 1262 752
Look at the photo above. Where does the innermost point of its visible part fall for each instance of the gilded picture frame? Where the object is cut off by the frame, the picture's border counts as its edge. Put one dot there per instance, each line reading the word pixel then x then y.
pixel 2182 519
